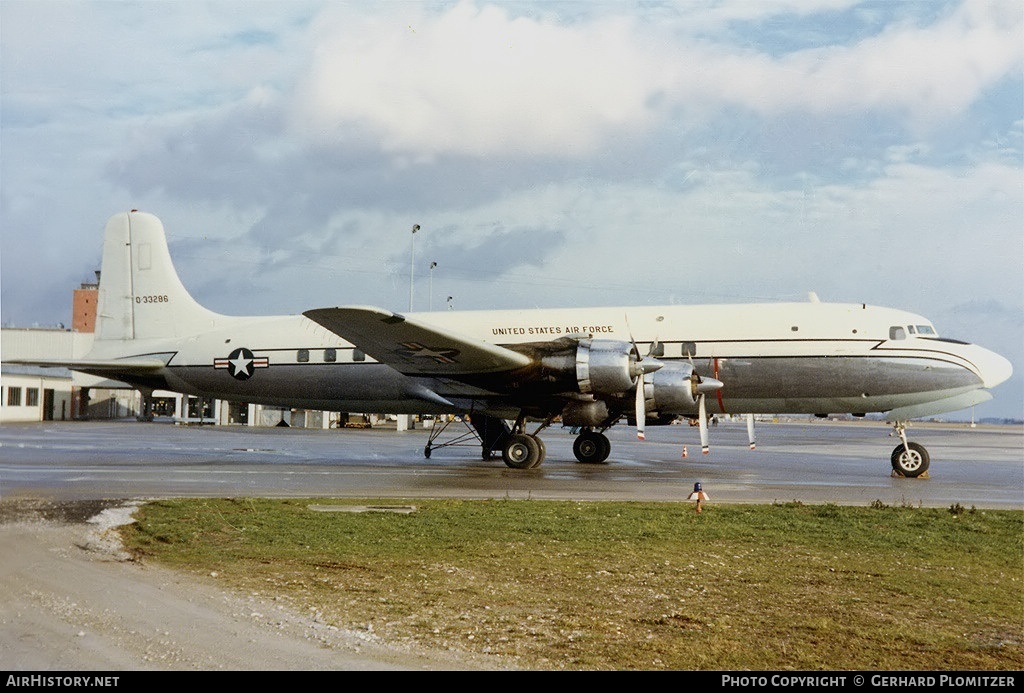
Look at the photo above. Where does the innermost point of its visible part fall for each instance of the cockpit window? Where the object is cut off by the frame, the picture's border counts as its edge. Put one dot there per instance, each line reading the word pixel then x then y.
pixel 901 331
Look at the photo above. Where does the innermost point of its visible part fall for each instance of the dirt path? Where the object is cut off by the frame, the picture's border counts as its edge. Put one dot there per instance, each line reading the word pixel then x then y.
pixel 71 601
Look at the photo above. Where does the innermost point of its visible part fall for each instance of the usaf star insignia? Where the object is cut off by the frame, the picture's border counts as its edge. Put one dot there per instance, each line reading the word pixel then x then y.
pixel 442 355
pixel 241 363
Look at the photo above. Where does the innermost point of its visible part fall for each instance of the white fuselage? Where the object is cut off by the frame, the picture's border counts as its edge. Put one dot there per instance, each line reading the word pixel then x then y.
pixel 773 358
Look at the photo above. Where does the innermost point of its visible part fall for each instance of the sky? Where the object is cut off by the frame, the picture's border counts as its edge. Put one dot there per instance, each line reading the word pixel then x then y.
pixel 552 153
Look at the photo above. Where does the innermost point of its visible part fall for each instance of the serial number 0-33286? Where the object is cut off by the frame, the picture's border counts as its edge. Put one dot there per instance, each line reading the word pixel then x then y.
pixel 152 299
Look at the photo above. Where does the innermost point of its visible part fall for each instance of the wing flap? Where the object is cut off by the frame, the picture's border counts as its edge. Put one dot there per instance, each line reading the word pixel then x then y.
pixel 413 347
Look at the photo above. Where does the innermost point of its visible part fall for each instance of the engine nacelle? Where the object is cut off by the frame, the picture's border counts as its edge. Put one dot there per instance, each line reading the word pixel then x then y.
pixel 673 388
pixel 605 366
pixel 582 413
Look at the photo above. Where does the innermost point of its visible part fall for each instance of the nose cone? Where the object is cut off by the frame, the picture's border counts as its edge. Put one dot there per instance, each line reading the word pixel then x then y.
pixel 649 365
pixel 992 367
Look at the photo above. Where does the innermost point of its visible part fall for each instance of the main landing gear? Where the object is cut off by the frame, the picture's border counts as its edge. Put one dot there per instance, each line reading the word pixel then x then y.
pixel 518 449
pixel 522 450
pixel 908 459
pixel 526 451
pixel 591 447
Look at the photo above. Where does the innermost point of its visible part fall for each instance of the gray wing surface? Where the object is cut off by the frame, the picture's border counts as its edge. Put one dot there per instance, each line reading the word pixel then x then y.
pixel 413 347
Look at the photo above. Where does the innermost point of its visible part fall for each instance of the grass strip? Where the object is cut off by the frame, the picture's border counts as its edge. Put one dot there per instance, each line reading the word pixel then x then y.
pixel 626 585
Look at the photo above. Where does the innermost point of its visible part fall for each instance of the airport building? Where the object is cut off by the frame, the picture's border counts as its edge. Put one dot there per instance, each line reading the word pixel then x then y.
pixel 29 393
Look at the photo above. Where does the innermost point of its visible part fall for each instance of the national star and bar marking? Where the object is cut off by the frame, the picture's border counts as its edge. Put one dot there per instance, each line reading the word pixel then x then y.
pixel 242 363
pixel 417 350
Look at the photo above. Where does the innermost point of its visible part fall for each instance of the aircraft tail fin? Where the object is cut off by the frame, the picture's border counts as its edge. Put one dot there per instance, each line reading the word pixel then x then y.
pixel 140 294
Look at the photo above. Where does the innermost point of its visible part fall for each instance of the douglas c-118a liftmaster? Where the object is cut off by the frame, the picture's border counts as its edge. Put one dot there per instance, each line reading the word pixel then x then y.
pixel 506 371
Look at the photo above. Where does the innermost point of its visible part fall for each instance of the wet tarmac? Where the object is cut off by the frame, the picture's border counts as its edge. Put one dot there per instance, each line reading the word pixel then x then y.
pixel 814 462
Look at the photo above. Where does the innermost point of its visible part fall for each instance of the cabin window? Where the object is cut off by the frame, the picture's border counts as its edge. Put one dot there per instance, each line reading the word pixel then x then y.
pixel 358 355
pixel 656 350
pixel 302 356
pixel 688 349
pixel 926 329
pixel 911 330
pixel 897 332
pixel 330 355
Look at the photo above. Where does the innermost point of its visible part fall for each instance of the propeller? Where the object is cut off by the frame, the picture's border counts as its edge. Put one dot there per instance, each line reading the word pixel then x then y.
pixel 641 367
pixel 702 386
pixel 644 365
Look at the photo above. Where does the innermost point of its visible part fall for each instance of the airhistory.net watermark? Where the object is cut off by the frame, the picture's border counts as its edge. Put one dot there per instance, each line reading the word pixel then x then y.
pixel 49 681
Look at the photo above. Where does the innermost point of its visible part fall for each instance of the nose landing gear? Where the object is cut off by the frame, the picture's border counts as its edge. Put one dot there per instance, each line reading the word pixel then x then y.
pixel 908 459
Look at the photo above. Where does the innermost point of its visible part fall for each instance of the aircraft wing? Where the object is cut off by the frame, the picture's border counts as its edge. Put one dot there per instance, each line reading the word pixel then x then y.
pixel 415 348
pixel 141 365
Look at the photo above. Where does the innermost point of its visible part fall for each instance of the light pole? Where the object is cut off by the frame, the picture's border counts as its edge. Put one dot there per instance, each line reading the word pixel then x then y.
pixel 430 287
pixel 412 261
pixel 405 421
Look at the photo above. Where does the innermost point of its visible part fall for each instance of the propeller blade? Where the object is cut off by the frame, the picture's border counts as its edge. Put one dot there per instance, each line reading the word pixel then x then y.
pixel 643 364
pixel 750 430
pixel 641 408
pixel 655 347
pixel 703 412
pixel 636 347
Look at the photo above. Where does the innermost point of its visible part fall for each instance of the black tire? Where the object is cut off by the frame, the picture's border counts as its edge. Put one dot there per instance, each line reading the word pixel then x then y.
pixel 426 452
pixel 912 463
pixel 542 452
pixel 591 448
pixel 521 451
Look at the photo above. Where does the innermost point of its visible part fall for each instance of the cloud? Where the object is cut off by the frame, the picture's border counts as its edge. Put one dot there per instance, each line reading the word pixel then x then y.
pixel 481 82
pixel 475 81
pixel 928 72
pixel 554 153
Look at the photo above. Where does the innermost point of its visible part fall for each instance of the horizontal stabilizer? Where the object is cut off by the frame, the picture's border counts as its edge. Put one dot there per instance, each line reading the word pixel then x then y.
pixel 413 347
pixel 941 406
pixel 112 367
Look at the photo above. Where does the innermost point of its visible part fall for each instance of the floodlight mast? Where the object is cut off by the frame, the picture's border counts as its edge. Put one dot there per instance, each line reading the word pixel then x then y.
pixel 412 262
pixel 430 287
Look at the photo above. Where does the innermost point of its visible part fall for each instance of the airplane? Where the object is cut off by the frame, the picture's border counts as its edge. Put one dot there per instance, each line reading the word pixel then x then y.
pixel 504 370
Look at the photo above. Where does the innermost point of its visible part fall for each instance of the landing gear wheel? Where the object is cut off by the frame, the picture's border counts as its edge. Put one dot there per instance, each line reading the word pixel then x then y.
pixel 521 451
pixel 426 452
pixel 912 462
pixel 591 448
pixel 543 451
